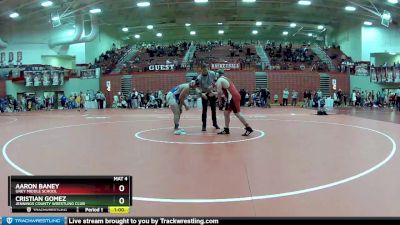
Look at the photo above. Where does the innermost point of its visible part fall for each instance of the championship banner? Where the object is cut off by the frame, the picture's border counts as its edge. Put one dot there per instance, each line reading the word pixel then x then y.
pixel 396 74
pixel 108 85
pixel 10 57
pixel 161 67
pixel 46 78
pixel 37 79
pixel 226 66
pixel 378 74
pixel 384 74
pixel 334 84
pixel 2 58
pixel 55 79
pixel 28 79
pixel 389 77
pixel 373 75
pixel 362 70
pixel 87 74
pixel 19 57
pixel 61 77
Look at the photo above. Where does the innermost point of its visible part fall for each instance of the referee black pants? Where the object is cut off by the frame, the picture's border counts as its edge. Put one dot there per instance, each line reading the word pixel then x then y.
pixel 212 100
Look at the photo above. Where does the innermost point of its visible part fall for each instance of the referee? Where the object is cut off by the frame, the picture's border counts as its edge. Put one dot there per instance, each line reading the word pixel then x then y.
pixel 207 80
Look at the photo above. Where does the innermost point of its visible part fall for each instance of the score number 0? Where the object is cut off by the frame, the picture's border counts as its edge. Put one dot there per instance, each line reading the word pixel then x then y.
pixel 121 200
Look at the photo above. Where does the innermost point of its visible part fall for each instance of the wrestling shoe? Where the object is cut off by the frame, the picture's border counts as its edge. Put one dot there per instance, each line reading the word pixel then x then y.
pixel 225 131
pixel 203 129
pixel 248 131
pixel 216 126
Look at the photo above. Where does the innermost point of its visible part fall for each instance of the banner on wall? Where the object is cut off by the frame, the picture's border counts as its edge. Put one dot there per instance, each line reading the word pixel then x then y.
pixel 46 78
pixel 396 74
pixel 389 74
pixel 43 78
pixel 54 78
pixel 57 78
pixel 334 84
pixel 87 74
pixel 37 79
pixel 19 57
pixel 10 57
pixel 108 85
pixel 226 66
pixel 362 70
pixel 28 79
pixel 2 58
pixel 372 73
pixel 161 67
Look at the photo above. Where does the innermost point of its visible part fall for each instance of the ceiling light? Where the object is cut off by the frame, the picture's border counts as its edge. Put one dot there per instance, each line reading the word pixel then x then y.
pixel 350 8
pixel 285 33
pixel 137 36
pixel 248 0
pixel 200 1
pixel 150 27
pixel 393 1
pixel 258 23
pixel 94 11
pixel 143 4
pixel 304 2
pixel 14 15
pixel 293 25
pixel 187 24
pixel 367 23
pixel 310 34
pixel 320 27
pixel 221 32
pixel 70 32
pixel 55 18
pixel 125 29
pixel 192 32
pixel 159 34
pixel 220 23
pixel 386 15
pixel 47 3
pixel 254 32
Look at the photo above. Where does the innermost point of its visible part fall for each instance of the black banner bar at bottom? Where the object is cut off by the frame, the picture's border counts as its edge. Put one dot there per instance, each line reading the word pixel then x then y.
pixel 212 221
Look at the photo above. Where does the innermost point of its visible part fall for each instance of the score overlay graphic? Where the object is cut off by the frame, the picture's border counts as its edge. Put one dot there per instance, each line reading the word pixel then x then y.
pixel 75 194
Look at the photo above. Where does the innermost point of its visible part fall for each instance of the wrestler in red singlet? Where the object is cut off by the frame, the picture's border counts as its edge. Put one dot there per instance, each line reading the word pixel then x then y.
pixel 226 87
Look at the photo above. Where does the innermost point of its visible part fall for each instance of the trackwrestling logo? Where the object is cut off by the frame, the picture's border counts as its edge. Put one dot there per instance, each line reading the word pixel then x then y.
pixel 33 220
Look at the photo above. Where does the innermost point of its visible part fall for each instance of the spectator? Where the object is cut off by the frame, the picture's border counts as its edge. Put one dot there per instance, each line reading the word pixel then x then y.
pixel 285 96
pixel 398 99
pixel 295 95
